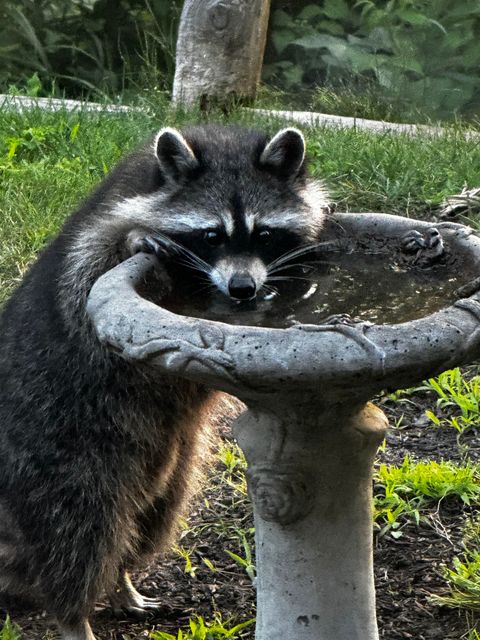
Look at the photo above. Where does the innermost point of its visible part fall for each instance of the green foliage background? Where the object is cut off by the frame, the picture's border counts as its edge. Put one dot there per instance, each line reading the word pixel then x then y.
pixel 372 58
pixel 99 46
pixel 418 54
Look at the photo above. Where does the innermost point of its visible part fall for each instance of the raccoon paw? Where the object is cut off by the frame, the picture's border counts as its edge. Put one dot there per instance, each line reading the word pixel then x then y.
pixel 330 208
pixel 137 241
pixel 425 248
pixel 340 318
pixel 127 601
pixel 140 610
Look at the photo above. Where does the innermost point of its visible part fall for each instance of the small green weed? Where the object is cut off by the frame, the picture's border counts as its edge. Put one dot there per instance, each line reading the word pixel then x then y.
pixel 391 511
pixel 455 391
pixel 201 630
pixel 464 583
pixel 405 490
pixel 435 480
pixel 463 577
pixel 247 562
pixel 10 631
pixel 226 515
pixel 232 457
pixel 186 555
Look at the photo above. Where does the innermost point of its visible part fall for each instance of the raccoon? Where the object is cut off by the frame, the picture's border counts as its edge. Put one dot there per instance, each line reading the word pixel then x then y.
pixel 97 453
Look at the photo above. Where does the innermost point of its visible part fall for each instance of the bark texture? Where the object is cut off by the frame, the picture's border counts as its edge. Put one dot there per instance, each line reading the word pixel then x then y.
pixel 220 50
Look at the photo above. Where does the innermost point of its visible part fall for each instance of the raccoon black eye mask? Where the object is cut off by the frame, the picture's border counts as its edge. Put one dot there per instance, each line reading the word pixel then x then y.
pixel 98 453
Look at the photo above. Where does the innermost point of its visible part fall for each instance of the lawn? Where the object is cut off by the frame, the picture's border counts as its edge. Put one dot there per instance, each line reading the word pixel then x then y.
pixel 426 517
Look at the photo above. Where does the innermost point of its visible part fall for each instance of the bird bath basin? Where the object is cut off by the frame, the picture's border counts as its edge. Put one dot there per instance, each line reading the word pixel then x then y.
pixel 309 433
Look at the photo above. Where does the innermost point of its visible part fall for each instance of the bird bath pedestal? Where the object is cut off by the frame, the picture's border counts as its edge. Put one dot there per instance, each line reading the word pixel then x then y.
pixel 309 433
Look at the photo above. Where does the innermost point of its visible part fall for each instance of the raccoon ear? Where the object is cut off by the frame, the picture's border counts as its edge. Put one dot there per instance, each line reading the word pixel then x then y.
pixel 174 154
pixel 285 153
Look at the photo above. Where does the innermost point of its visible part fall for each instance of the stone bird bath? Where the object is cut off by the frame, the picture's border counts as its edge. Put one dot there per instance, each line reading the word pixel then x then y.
pixel 309 433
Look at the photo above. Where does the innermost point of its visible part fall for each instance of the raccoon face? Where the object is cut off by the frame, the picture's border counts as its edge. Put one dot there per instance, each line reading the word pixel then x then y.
pixel 234 206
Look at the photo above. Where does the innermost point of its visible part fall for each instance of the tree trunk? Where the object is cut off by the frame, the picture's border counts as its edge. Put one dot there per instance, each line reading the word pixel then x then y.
pixel 220 50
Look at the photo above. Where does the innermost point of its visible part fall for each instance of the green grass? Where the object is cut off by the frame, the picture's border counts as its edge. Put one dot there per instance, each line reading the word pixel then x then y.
pixel 347 100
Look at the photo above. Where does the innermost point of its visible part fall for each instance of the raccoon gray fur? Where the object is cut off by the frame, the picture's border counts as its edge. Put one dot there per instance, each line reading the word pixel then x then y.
pixel 97 454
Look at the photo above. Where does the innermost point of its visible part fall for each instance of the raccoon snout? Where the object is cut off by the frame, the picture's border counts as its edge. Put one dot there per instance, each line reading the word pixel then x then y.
pixel 241 286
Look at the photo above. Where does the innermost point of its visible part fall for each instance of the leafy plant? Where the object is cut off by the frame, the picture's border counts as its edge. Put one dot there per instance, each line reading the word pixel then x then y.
pixel 402 492
pixel 232 457
pixel 10 631
pixel 464 582
pixel 201 630
pixel 435 480
pixel 186 555
pixel 457 392
pixel 463 578
pixel 418 54
pixel 246 562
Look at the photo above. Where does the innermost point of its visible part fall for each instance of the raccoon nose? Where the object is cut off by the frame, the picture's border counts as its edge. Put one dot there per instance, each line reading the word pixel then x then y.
pixel 242 286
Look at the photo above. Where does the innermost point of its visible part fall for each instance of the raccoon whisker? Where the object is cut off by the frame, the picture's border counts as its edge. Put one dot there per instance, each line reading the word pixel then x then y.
pixel 268 289
pixel 193 258
pixel 193 265
pixel 305 264
pixel 209 287
pixel 294 253
pixel 205 280
pixel 189 259
pixel 278 265
pixel 283 278
pixel 180 248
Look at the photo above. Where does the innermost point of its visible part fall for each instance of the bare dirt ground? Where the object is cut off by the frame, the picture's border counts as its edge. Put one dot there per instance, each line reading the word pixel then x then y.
pixel 407 570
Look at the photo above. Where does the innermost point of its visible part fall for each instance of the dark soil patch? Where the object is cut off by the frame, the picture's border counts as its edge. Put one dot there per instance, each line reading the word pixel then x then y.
pixel 407 570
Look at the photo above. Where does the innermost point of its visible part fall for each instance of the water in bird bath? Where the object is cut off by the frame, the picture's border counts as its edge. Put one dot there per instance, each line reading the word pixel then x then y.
pixel 375 288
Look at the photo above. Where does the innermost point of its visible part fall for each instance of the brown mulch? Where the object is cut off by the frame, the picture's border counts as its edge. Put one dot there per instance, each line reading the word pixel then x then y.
pixel 407 570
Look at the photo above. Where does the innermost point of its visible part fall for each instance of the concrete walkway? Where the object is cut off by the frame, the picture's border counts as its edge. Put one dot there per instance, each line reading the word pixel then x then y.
pixel 23 103
pixel 312 119
pixel 306 118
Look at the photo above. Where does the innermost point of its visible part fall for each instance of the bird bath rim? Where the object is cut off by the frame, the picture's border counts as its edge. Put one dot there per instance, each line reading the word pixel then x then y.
pixel 246 360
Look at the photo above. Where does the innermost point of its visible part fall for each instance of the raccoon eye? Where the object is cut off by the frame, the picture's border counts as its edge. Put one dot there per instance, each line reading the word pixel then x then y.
pixel 213 238
pixel 264 236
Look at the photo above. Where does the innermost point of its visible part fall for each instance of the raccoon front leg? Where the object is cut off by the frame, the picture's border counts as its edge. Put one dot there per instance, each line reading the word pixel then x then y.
pixel 155 526
pixel 125 599
pixel 80 631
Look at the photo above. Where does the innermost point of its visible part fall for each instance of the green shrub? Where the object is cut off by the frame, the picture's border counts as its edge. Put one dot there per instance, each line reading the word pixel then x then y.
pixel 419 54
